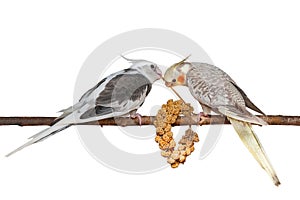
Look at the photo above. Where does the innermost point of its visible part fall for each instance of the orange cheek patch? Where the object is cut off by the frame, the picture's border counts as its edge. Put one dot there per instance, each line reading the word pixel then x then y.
pixel 180 79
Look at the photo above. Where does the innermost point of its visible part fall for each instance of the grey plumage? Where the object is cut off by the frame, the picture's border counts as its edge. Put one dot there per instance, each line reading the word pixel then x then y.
pixel 213 88
pixel 124 87
pixel 216 91
pixel 121 89
pixel 117 95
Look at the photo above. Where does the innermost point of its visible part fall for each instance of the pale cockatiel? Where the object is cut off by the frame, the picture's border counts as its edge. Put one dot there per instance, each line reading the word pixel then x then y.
pixel 119 94
pixel 216 91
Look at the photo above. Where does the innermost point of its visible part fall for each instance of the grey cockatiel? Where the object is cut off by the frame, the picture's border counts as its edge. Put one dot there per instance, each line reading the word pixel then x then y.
pixel 216 91
pixel 118 94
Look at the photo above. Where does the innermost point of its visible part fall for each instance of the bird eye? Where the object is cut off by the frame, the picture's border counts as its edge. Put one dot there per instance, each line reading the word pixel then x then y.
pixel 174 80
pixel 152 66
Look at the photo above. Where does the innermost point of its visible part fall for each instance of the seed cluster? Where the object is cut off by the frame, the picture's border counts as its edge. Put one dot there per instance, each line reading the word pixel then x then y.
pixel 165 117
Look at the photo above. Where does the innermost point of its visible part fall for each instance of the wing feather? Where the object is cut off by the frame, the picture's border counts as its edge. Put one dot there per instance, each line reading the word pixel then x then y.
pixel 223 76
pixel 123 92
pixel 215 89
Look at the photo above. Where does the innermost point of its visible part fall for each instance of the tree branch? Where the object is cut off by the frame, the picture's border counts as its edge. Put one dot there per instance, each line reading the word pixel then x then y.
pixel 147 120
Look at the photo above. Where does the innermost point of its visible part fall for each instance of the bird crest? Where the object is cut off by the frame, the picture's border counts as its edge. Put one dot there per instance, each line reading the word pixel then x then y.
pixel 176 65
pixel 131 60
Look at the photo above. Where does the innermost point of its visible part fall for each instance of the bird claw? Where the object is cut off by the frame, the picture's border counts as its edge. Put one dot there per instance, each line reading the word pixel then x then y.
pixel 202 117
pixel 137 115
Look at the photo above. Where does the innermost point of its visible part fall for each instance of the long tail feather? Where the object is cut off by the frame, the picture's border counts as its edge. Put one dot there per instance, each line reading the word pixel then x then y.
pixel 251 141
pixel 41 136
pixel 44 134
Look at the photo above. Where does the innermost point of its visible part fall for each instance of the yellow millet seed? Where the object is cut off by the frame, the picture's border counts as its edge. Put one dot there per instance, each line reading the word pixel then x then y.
pixel 183 153
pixel 188 151
pixel 175 156
pixel 176 152
pixel 182 159
pixel 166 138
pixel 181 147
pixel 175 165
pixel 157 139
pixel 165 146
pixel 159 131
pixel 165 153
pixel 192 148
pixel 176 111
pixel 162 142
pixel 189 143
pixel 168 128
pixel 168 119
pixel 163 107
pixel 164 125
pixel 196 138
pixel 172 143
pixel 173 120
pixel 169 134
pixel 171 160
pixel 170 102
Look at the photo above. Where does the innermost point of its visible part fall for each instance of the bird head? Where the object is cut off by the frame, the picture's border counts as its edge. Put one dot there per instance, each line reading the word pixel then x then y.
pixel 176 74
pixel 147 68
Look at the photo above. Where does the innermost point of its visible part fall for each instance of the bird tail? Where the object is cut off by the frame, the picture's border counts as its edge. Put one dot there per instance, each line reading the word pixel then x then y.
pixel 251 141
pixel 44 134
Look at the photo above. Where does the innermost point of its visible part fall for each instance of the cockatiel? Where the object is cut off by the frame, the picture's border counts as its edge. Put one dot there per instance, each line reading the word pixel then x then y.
pixel 216 91
pixel 119 94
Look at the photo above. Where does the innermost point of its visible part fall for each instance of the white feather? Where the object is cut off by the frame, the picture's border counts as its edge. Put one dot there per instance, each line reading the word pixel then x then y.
pixel 88 101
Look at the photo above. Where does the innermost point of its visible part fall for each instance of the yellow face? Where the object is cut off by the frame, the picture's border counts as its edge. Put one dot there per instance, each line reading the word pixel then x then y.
pixel 173 77
pixel 176 74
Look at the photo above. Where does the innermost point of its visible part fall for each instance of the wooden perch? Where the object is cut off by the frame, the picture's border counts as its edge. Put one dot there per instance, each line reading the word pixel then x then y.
pixel 147 120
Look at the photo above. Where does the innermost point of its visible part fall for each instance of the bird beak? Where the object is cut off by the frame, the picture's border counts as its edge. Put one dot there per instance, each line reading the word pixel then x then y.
pixel 159 72
pixel 168 84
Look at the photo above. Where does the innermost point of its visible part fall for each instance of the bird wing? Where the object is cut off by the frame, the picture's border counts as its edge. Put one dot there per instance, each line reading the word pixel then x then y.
pixel 215 89
pixel 224 76
pixel 115 95
pixel 240 114
pixel 248 102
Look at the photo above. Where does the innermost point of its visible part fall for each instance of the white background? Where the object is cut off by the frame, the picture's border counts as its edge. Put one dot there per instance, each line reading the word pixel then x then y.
pixel 42 47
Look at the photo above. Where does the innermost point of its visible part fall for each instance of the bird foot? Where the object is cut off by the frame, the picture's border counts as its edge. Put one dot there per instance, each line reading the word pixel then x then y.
pixel 202 117
pixel 134 115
